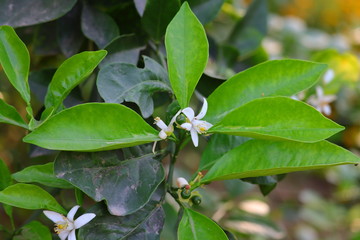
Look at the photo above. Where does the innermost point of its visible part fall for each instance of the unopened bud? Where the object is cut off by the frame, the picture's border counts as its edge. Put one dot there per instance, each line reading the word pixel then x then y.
pixel 181 182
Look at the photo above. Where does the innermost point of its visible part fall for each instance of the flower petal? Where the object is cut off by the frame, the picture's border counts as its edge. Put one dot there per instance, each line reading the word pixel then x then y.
pixel 160 123
pixel 203 110
pixel 181 182
pixel 186 126
pixel 319 92
pixel 329 76
pixel 72 213
pixel 189 113
pixel 54 216
pixel 64 234
pixel 72 235
pixel 326 109
pixel 83 219
pixel 162 134
pixel 194 137
pixel 174 118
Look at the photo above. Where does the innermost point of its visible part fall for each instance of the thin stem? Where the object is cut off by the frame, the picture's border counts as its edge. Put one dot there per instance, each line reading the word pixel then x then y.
pixel 172 165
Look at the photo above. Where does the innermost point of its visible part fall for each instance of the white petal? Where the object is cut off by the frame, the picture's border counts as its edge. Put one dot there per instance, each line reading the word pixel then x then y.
pixel 181 182
pixel 203 110
pixel 72 213
pixel 160 123
pixel 194 137
pixel 54 216
pixel 328 98
pixel 329 76
pixel 162 134
pixel 83 219
pixel 201 126
pixel 64 234
pixel 319 92
pixel 326 109
pixel 72 235
pixel 189 113
pixel 186 126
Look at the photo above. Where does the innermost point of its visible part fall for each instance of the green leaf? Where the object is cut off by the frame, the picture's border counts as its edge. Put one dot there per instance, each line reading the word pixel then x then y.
pixel 250 30
pixel 125 184
pixel 206 10
pixel 277 77
pixel 33 231
pixel 147 220
pixel 29 196
pixel 157 16
pixel 71 72
pixel 8 114
pixel 266 183
pixel 5 177
pixel 43 174
pixel 93 127
pixel 15 60
pixel 121 82
pixel 218 145
pixel 263 158
pixel 19 13
pixel 277 118
pixel 195 226
pixel 98 26
pixel 185 38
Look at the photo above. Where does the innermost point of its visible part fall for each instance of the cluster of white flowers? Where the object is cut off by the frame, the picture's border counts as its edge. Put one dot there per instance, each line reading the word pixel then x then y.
pixel 193 123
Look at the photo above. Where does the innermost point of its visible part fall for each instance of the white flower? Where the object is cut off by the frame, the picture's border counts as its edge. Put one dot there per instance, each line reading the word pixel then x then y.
pixel 181 182
pixel 166 130
pixel 321 101
pixel 194 124
pixel 65 226
pixel 329 76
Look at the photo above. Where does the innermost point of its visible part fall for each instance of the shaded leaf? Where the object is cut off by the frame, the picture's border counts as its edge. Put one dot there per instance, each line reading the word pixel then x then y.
pixel 98 26
pixel 126 185
pixel 19 13
pixel 206 10
pixel 43 174
pixel 29 196
pixel 277 77
pixel 9 115
pixel 185 36
pixel 266 183
pixel 5 177
pixel 294 120
pixel 15 60
pixel 125 82
pixel 33 231
pixel 93 127
pixel 263 158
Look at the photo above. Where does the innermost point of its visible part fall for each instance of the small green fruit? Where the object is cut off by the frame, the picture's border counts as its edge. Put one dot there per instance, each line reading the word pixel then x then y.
pixel 196 200
pixel 181 119
pixel 185 193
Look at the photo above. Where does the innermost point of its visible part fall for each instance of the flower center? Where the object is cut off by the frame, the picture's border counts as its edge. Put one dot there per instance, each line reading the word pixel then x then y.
pixel 60 226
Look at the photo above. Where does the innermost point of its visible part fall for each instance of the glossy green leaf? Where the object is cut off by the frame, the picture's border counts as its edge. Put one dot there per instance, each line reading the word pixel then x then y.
pixel 29 196
pixel 277 118
pixel 71 72
pixel 125 184
pixel 8 114
pixel 206 10
pixel 98 26
pixel 148 220
pixel 248 33
pixel 185 38
pixel 218 145
pixel 5 177
pixel 33 231
pixel 263 158
pixel 43 174
pixel 195 226
pixel 93 127
pixel 157 16
pixel 19 13
pixel 125 82
pixel 266 183
pixel 15 60
pixel 277 77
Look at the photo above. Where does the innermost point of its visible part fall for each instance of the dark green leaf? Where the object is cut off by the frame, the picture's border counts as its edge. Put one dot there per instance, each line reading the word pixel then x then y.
pixel 93 127
pixel 185 38
pixel 45 42
pixel 33 231
pixel 43 174
pixel 157 16
pixel 71 72
pixel 277 118
pixel 5 177
pixel 277 77
pixel 39 82
pixel 19 13
pixel 125 82
pixel 250 30
pixel 126 185
pixel 124 49
pixel 15 60
pixel 206 10
pixel 98 26
pixel 29 196
pixel 218 145
pixel 266 183
pixel 263 158
pixel 149 219
pixel 195 226
pixel 8 114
